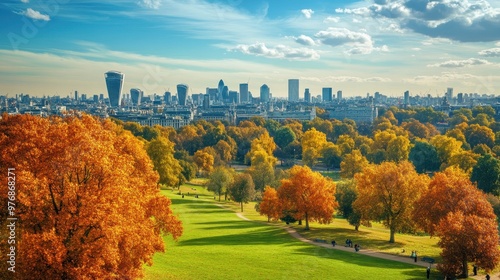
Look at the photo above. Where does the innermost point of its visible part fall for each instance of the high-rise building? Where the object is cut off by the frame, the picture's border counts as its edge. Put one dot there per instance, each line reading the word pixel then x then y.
pixel 339 95
pixel 264 93
pixel 225 93
pixel 167 97
pixel 307 96
pixel 407 98
pixel 449 94
pixel 136 96
pixel 234 97
pixel 182 92
pixel 327 94
pixel 114 83
pixel 76 95
pixel 293 90
pixel 220 89
pixel 244 96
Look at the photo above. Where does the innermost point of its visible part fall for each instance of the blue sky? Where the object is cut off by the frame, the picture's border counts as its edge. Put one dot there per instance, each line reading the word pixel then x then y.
pixel 57 46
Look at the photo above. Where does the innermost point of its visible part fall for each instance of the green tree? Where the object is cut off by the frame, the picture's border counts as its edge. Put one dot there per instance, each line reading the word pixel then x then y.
pixel 486 173
pixel 424 157
pixel 284 136
pixel 332 156
pixel 346 195
pixel 242 190
pixel 220 179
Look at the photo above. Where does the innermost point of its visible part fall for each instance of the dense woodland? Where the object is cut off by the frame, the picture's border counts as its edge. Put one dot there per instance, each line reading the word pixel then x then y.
pixel 414 170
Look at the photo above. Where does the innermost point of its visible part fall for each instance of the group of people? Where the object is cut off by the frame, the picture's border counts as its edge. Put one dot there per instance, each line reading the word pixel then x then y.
pixel 348 243
pixel 414 255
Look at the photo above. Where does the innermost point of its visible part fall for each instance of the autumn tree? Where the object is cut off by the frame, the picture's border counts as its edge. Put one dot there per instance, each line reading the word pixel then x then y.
pixel 204 160
pixel 352 163
pixel 453 209
pixel 332 156
pixel 161 152
pixel 220 179
pixel 387 192
pixel 446 147
pixel 477 134
pixel 270 204
pixel 309 194
pixel 398 149
pixel 312 144
pixel 242 189
pixel 87 196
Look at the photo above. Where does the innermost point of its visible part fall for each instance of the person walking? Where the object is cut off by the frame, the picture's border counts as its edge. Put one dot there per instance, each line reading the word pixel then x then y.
pixel 416 256
pixel 428 272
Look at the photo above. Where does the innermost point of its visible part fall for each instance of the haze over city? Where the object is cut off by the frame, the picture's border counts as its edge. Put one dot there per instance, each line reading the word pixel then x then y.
pixel 359 47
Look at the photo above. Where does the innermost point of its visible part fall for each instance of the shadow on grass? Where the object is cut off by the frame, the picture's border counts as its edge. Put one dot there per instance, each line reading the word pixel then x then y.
pixel 261 236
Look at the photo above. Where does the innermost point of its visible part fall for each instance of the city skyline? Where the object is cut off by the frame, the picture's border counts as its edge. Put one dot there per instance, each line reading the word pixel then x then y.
pixel 357 47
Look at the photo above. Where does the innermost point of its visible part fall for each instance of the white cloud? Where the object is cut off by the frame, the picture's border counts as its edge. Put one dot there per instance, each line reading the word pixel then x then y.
pixel 25 1
pixel 436 41
pixel 331 20
pixel 152 4
pixel 416 49
pixel 305 40
pixel 36 15
pixel 280 51
pixel 359 42
pixel 490 52
pixel 307 13
pixel 461 63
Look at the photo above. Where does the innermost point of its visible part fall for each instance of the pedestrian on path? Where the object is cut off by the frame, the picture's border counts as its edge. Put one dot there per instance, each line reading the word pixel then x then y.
pixel 428 272
pixel 416 256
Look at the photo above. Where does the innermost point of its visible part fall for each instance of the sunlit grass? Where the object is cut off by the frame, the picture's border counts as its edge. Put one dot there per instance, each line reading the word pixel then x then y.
pixel 216 244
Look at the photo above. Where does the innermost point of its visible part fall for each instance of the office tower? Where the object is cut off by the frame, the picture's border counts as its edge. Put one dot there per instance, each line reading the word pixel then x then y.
pixel 225 93
pixel 307 96
pixel 96 98
pixel 167 97
pixel 76 95
pixel 101 96
pixel 264 93
pixel 212 92
pixel 244 96
pixel 339 95
pixel 234 97
pixel 449 94
pixel 220 88
pixel 114 83
pixel 327 94
pixel 293 90
pixel 136 96
pixel 84 97
pixel 407 98
pixel 206 101
pixel 460 98
pixel 182 91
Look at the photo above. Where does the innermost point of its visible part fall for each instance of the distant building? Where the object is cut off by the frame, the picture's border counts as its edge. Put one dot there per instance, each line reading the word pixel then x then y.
pixel 339 95
pixel 136 96
pixel 293 90
pixel 182 91
pixel 114 83
pixel 244 94
pixel 355 113
pixel 307 96
pixel 327 94
pixel 234 97
pixel 264 93
pixel 407 98
pixel 167 97
pixel 220 89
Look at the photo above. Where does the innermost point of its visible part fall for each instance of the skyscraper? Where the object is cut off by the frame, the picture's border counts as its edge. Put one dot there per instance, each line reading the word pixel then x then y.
pixel 244 96
pixel 293 90
pixel 136 96
pixel 220 89
pixel 339 95
pixel 264 93
pixel 449 94
pixel 307 96
pixel 407 98
pixel 182 90
pixel 167 97
pixel 114 83
pixel 327 94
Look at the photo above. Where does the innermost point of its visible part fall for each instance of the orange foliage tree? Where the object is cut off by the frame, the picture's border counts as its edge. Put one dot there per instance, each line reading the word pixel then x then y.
pixel 87 199
pixel 310 195
pixel 270 204
pixel 388 192
pixel 458 212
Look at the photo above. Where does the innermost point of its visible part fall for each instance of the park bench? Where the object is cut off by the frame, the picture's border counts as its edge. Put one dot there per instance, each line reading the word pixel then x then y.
pixel 320 240
pixel 427 259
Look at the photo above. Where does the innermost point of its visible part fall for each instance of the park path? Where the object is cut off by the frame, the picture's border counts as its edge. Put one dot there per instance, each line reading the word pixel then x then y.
pixel 367 252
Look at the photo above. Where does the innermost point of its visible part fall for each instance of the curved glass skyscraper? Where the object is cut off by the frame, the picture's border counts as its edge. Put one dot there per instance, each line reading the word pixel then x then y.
pixel 136 96
pixel 182 90
pixel 114 83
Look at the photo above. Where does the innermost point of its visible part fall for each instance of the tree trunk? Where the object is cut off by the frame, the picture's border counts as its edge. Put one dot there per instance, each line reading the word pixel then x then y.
pixel 465 267
pixel 393 231
pixel 241 206
pixel 356 228
pixel 307 222
pixel 219 197
pixel 300 222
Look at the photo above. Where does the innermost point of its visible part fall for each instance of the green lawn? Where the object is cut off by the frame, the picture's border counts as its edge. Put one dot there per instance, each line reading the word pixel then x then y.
pixel 216 244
